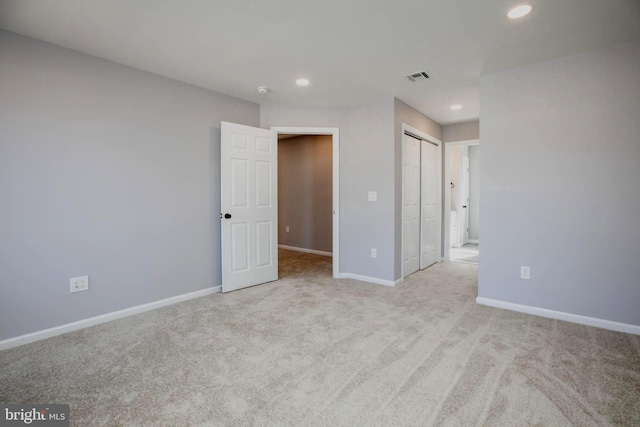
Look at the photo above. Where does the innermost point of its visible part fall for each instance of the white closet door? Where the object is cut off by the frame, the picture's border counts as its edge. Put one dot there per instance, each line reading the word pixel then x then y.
pixel 410 205
pixel 430 199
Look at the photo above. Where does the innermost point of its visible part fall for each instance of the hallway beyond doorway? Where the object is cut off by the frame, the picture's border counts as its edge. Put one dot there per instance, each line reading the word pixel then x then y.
pixel 311 267
pixel 468 253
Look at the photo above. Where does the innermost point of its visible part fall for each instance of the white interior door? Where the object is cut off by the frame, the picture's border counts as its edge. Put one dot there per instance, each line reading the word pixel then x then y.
pixel 464 196
pixel 410 204
pixel 430 199
pixel 249 170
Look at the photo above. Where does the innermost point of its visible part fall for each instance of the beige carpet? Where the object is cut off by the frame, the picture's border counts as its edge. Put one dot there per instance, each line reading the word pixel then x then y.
pixel 309 350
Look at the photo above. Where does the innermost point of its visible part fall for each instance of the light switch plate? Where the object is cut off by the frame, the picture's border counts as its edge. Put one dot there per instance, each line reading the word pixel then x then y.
pixel 373 196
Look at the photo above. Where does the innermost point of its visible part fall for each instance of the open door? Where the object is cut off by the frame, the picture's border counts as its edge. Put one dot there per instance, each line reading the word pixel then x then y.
pixel 249 171
pixel 464 201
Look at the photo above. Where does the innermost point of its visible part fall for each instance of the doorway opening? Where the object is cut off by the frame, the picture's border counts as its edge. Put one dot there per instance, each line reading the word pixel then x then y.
pixel 308 193
pixel 462 202
pixel 249 202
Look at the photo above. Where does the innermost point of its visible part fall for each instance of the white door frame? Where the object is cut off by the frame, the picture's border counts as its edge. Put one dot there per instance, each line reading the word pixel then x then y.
pixel 446 186
pixel 335 146
pixel 433 140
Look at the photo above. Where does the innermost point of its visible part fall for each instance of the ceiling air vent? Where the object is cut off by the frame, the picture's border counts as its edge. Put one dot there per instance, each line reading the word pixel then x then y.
pixel 417 77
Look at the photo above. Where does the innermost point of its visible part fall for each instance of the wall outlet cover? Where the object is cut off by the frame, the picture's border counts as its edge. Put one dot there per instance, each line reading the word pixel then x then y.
pixel 79 284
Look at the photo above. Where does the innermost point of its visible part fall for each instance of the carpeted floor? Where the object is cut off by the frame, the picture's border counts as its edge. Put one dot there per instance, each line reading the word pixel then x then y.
pixel 309 350
pixel 467 253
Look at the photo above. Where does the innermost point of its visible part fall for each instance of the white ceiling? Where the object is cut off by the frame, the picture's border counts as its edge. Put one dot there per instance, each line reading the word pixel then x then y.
pixel 351 50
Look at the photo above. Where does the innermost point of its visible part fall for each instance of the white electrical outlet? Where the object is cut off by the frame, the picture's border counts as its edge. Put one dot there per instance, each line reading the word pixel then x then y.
pixel 286 229
pixel 80 284
pixel 374 253
pixel 525 272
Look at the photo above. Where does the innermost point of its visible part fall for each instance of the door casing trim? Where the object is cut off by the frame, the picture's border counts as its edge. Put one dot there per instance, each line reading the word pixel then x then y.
pixel 335 147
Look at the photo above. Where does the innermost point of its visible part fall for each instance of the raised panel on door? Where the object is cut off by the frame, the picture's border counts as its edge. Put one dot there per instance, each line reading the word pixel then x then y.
pixel 239 183
pixel 263 184
pixel 239 247
pixel 264 250
pixel 248 168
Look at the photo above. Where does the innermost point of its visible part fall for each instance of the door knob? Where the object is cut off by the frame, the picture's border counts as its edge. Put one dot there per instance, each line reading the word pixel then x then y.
pixel 227 216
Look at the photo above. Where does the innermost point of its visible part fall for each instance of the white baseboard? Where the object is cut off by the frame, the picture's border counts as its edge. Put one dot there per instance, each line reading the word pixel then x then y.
pixel 92 321
pixel 561 315
pixel 367 279
pixel 477 242
pixel 309 251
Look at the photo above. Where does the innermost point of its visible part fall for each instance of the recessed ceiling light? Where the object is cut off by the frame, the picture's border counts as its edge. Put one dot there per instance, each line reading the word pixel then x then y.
pixel 456 107
pixel 262 90
pixel 519 11
pixel 302 82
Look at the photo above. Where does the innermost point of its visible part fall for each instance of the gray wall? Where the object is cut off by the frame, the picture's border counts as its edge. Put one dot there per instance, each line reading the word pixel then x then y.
pixel 366 147
pixel 305 192
pixel 559 184
pixel 105 171
pixel 370 167
pixel 461 131
pixel 404 113
pixel 474 192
